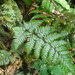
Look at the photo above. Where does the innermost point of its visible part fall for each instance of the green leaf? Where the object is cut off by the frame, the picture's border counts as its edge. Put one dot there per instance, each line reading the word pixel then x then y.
pixel 10 14
pixel 46 5
pixel 35 12
pixel 45 51
pixel 43 70
pixel 21 34
pixel 28 2
pixel 5 57
pixel 29 45
pixel 63 3
pixel 56 70
pixel 38 47
pixel 2 46
pixel 19 39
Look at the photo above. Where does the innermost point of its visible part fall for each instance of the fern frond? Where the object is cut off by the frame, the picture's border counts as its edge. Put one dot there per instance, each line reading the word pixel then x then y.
pixel 45 51
pixel 2 46
pixel 29 45
pixel 63 69
pixel 44 41
pixel 43 70
pixel 22 34
pixel 35 12
pixel 10 14
pixel 39 16
pixel 38 34
pixel 38 47
pixel 5 57
pixel 20 39
pixel 4 33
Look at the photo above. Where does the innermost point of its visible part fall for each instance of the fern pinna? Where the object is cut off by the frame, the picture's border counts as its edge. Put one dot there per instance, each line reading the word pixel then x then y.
pixel 46 43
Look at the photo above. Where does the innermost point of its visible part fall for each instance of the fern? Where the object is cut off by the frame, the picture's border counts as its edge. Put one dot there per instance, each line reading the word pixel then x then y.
pixel 4 33
pixel 10 14
pixel 43 44
pixel 46 5
pixel 63 3
pixel 2 46
pixel 5 57
pixel 45 41
pixel 43 70
pixel 21 30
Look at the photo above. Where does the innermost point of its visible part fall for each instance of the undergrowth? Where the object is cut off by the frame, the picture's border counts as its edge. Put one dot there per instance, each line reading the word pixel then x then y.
pixel 37 37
